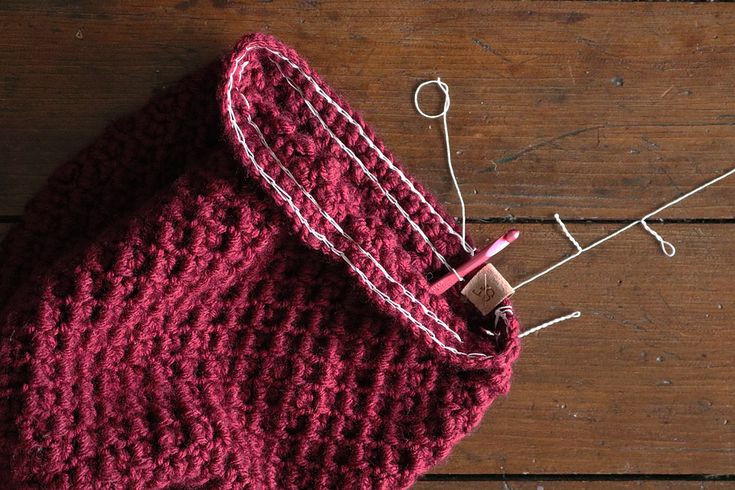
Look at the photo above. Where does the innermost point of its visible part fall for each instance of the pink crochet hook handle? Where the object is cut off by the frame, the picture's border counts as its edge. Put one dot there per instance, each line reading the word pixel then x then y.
pixel 479 259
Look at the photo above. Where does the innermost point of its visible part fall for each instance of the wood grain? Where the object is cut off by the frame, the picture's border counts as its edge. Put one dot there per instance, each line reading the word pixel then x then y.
pixel 574 485
pixel 595 110
pixel 641 383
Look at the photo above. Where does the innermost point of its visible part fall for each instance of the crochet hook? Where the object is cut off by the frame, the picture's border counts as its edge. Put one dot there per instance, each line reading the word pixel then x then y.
pixel 478 260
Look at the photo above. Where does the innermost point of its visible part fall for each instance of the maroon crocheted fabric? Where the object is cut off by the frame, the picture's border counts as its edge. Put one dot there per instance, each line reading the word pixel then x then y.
pixel 228 289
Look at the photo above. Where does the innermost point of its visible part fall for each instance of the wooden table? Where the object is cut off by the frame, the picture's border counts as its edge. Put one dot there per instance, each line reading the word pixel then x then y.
pixel 600 112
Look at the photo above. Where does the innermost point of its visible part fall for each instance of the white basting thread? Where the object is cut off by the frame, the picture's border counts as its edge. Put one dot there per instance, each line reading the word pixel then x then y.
pixel 576 314
pixel 443 114
pixel 501 312
pixel 566 232
pixel 370 143
pixel 367 172
pixel 666 247
pixel 239 75
pixel 344 234
pixel 504 311
pixel 322 238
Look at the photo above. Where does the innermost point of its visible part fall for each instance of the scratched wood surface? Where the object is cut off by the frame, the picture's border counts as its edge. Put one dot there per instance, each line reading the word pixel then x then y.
pixel 581 484
pixel 598 111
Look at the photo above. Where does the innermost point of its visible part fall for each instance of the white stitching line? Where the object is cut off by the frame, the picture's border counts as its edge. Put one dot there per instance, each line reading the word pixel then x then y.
pixel 370 175
pixel 370 143
pixel 289 200
pixel 341 231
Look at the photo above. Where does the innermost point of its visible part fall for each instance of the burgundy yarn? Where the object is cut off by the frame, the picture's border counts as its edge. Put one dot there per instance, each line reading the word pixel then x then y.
pixel 179 310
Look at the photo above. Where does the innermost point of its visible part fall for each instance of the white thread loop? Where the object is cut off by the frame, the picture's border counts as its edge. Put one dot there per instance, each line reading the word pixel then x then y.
pixel 443 114
pixel 566 232
pixel 443 87
pixel 503 313
pixel 564 318
pixel 667 247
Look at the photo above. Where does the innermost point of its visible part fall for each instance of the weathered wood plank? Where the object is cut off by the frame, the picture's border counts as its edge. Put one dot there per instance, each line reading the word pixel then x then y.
pixel 574 485
pixel 595 110
pixel 641 383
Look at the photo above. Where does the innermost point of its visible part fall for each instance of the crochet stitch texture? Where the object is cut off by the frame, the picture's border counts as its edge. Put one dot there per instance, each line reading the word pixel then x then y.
pixel 229 289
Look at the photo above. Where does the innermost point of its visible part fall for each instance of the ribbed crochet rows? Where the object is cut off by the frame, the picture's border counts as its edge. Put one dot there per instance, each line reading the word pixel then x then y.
pixel 248 314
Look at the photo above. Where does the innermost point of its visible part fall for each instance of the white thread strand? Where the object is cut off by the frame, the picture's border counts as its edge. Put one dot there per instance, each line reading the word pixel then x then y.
pixel 322 238
pixel 370 142
pixel 566 232
pixel 344 234
pixel 664 244
pixel 367 172
pixel 443 114
pixel 576 314
pixel 667 248
pixel 503 313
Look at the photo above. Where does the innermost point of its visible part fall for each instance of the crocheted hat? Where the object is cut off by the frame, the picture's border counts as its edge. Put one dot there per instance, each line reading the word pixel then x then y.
pixel 229 289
